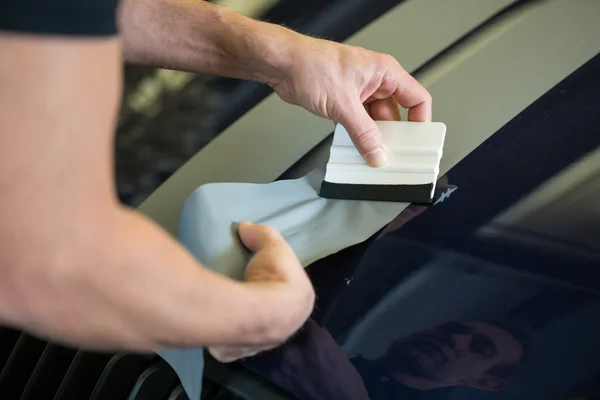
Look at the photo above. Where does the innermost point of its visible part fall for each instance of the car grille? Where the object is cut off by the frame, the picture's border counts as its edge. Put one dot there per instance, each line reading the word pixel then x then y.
pixel 31 369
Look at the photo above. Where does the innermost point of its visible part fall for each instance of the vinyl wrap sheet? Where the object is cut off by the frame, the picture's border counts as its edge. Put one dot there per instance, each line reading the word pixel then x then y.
pixel 315 228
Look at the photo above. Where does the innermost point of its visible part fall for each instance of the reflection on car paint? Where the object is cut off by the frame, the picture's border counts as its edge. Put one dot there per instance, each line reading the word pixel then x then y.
pixel 493 293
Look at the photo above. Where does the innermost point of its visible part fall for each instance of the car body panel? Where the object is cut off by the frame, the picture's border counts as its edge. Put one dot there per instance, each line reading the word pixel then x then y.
pixel 287 132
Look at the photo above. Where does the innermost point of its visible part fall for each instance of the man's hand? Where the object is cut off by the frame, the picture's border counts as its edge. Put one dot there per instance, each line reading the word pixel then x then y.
pixel 274 266
pixel 352 86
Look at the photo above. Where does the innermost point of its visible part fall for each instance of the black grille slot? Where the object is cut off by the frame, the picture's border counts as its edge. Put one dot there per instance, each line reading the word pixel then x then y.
pixel 81 377
pixel 20 365
pixel 49 371
pixel 32 369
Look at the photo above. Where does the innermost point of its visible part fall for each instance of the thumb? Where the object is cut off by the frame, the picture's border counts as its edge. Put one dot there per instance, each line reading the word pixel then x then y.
pixel 256 237
pixel 364 133
pixel 273 258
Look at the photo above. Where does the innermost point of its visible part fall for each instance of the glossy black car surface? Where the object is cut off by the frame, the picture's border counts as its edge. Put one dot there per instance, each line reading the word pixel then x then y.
pixel 492 293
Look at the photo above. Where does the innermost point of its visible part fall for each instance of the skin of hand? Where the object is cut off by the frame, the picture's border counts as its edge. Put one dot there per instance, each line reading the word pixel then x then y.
pixel 354 87
pixel 80 269
pixel 346 84
pixel 274 261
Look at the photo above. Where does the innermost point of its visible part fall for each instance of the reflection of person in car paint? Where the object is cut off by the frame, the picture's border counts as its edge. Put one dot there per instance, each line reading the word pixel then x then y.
pixel 475 354
pixel 312 366
pixel 587 390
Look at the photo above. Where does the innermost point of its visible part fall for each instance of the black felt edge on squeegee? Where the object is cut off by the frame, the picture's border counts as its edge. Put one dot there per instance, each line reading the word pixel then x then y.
pixel 396 193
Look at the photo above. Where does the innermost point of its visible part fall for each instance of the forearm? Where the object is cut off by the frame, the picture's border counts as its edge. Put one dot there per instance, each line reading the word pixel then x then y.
pixel 198 306
pixel 126 284
pixel 75 266
pixel 201 37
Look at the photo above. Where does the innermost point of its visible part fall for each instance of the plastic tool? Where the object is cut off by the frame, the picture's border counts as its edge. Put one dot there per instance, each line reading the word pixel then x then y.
pixel 414 155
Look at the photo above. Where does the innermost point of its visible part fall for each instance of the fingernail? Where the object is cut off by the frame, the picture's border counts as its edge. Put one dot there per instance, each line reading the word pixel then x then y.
pixel 235 230
pixel 377 157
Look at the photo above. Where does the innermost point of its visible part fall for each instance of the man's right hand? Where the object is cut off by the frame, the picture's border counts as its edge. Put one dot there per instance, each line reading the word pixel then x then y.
pixel 273 268
pixel 79 269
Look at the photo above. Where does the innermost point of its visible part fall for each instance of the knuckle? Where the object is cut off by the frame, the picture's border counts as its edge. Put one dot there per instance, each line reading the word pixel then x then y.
pixel 366 136
pixel 428 97
pixel 334 109
pixel 270 232
pixel 311 298
pixel 388 59
pixel 221 355
pixel 298 310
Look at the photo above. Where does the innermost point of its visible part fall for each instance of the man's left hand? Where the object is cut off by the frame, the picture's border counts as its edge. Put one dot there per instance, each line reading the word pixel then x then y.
pixel 352 86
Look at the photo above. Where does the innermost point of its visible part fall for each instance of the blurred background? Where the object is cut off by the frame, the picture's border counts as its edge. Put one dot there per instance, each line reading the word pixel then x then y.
pixel 167 116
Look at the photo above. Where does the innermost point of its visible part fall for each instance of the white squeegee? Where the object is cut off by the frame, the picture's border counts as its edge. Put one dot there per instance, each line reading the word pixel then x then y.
pixel 414 155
